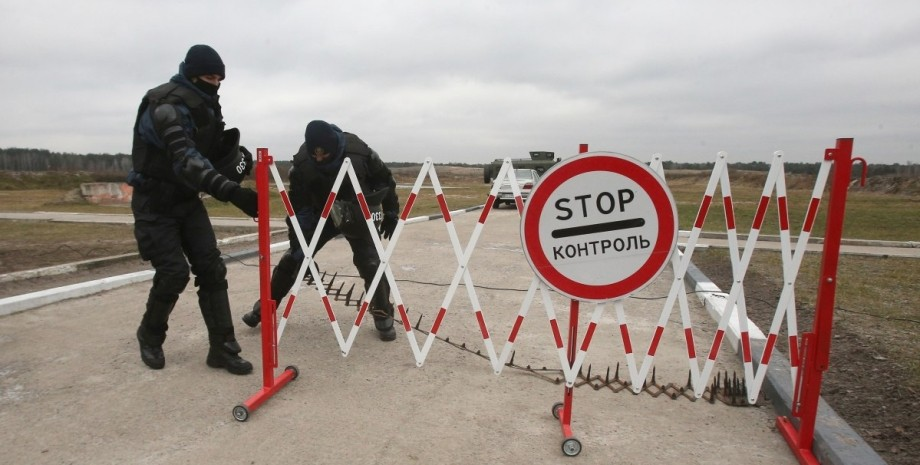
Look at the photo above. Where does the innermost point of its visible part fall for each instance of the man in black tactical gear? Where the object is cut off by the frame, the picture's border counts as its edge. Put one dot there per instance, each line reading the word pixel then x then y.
pixel 180 149
pixel 311 178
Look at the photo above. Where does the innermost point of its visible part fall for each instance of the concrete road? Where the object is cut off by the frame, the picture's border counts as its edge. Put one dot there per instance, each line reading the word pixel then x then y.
pixel 73 389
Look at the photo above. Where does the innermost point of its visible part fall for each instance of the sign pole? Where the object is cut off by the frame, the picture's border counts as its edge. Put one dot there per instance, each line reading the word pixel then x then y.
pixel 568 395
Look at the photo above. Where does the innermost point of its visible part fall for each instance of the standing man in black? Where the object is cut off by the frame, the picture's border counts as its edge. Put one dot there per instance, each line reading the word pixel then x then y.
pixel 312 175
pixel 180 149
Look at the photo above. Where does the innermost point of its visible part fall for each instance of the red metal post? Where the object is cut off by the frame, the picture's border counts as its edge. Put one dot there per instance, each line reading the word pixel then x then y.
pixel 565 417
pixel 817 345
pixel 565 413
pixel 270 384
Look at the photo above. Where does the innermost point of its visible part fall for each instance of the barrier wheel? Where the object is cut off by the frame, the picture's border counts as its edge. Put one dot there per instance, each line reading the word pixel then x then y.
pixel 557 407
pixel 571 447
pixel 241 413
pixel 294 369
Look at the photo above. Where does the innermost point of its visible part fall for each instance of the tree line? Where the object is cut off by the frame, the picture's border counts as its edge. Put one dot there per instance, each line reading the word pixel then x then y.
pixel 21 159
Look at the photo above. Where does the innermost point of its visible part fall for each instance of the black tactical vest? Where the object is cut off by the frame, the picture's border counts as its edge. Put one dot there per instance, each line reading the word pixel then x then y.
pixel 152 161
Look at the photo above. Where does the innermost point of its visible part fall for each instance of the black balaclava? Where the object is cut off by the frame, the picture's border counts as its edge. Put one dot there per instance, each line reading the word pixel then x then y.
pixel 202 60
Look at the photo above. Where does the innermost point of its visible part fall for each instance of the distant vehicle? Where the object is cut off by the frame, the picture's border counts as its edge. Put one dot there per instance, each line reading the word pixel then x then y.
pixel 538 161
pixel 526 178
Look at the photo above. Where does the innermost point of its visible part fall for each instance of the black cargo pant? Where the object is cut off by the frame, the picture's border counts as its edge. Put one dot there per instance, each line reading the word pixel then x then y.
pixel 178 238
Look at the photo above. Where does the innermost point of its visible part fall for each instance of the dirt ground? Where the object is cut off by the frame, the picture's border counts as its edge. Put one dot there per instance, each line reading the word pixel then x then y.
pixel 863 386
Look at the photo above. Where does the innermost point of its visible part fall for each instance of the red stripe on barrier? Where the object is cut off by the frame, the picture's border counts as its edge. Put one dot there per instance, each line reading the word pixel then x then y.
pixel 287 203
pixel 729 212
pixel 714 350
pixel 486 209
pixel 556 335
pixel 404 317
pixel 288 306
pixel 701 214
pixel 520 204
pixel 363 202
pixel 442 203
pixel 514 330
pixel 361 313
pixel 409 202
pixel 482 325
pixel 768 349
pixel 783 214
pixel 761 212
pixel 793 351
pixel 588 335
pixel 624 333
pixel 328 306
pixel 328 206
pixel 653 347
pixel 746 346
pixel 812 213
pixel 437 321
pixel 691 347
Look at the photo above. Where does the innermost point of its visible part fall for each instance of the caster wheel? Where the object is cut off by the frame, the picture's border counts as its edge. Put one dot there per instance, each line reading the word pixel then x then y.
pixel 294 369
pixel 571 447
pixel 240 413
pixel 557 407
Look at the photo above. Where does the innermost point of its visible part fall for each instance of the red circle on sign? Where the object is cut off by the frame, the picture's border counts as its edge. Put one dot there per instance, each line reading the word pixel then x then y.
pixel 665 213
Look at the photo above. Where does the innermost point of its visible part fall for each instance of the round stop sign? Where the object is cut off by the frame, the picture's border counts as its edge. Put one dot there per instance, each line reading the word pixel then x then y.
pixel 599 226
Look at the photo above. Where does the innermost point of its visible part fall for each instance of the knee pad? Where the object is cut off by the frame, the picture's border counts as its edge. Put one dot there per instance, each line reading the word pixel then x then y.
pixel 367 268
pixel 168 287
pixel 214 277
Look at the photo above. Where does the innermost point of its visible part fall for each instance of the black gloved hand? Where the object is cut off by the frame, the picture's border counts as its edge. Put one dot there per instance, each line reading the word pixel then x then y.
pixel 388 225
pixel 247 156
pixel 246 200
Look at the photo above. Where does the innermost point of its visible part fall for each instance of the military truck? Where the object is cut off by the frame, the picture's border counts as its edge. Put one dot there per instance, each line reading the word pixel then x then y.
pixel 539 161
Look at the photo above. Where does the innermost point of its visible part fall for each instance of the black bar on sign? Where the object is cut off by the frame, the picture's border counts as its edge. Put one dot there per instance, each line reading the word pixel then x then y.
pixel 598 228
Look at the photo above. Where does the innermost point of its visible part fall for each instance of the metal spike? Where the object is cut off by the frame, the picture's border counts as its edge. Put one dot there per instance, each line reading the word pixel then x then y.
pixel 689 378
pixel 419 321
pixel 616 375
pixel 348 295
pixel 653 376
pixel 589 373
pixel 607 376
pixel 511 362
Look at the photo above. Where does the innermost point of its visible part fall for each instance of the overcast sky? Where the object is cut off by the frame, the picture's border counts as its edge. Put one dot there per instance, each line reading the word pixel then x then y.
pixel 471 81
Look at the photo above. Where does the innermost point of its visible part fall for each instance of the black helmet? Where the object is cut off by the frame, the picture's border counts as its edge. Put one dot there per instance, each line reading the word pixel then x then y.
pixel 232 160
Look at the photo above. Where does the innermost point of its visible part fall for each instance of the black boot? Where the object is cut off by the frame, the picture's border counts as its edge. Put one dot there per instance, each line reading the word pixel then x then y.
pixel 224 350
pixel 383 321
pixel 254 317
pixel 151 354
pixel 283 277
pixel 226 355
pixel 152 331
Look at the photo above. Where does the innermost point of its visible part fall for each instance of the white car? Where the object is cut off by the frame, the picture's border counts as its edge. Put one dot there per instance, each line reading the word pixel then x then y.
pixel 526 179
